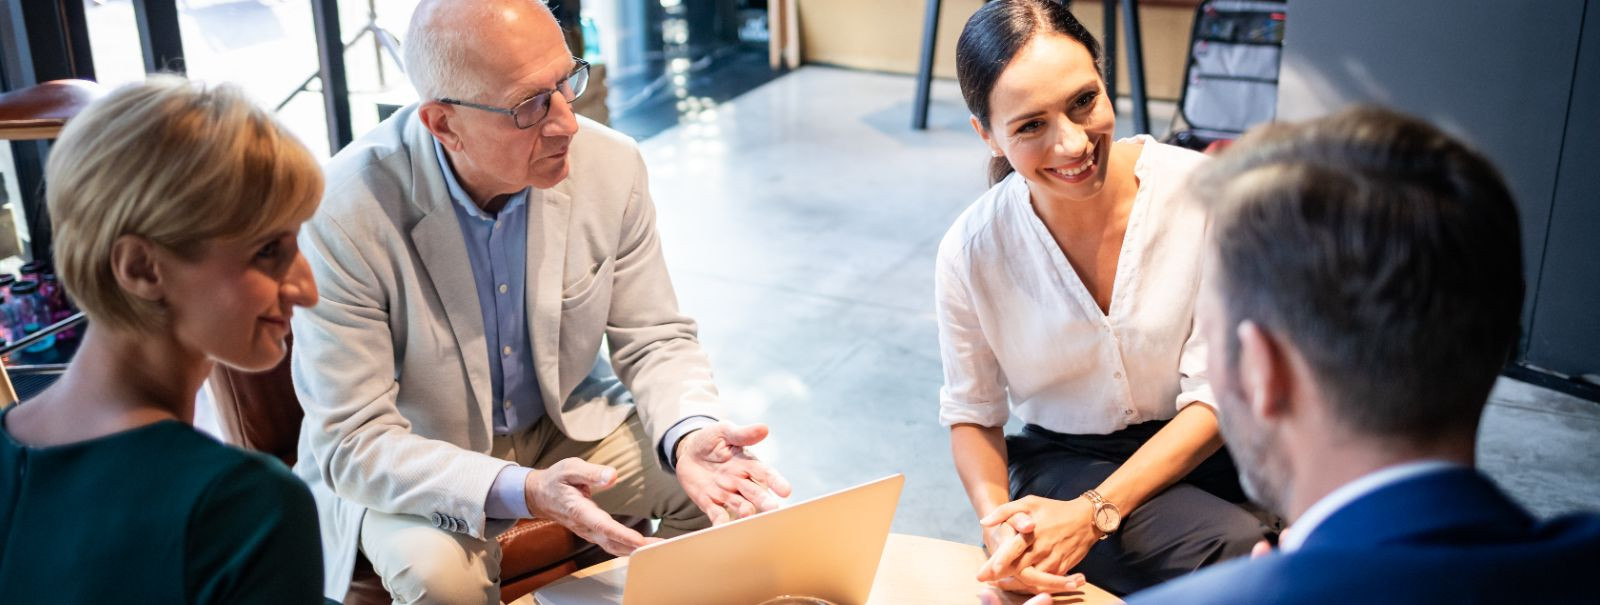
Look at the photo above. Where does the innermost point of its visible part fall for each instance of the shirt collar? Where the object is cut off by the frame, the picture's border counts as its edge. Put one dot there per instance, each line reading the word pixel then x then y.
pixel 459 194
pixel 1371 482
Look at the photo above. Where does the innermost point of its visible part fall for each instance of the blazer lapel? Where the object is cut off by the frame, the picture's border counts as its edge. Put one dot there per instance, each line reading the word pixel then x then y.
pixel 438 241
pixel 548 212
pixel 1433 505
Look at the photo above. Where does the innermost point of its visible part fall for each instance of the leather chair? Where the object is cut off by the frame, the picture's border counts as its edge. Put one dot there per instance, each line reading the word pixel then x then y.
pixel 261 412
pixel 40 111
pixel 27 114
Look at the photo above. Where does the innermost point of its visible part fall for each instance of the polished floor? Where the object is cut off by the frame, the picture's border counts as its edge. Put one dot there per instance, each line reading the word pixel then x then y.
pixel 800 222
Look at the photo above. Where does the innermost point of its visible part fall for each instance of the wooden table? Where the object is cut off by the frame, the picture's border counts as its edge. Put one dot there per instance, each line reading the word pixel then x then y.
pixel 914 571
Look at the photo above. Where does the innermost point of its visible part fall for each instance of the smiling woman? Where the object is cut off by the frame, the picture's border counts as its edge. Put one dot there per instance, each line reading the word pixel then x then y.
pixel 176 207
pixel 1066 295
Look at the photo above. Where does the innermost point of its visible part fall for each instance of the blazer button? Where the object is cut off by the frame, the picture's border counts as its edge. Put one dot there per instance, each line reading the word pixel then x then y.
pixel 438 520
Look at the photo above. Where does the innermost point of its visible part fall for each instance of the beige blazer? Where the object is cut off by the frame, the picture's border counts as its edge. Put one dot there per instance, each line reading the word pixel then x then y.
pixel 390 364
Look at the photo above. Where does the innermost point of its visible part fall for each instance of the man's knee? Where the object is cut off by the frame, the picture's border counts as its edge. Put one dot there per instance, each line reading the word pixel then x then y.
pixel 679 515
pixel 440 576
pixel 421 564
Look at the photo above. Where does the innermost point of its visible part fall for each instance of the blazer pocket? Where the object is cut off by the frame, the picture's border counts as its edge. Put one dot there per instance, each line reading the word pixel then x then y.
pixel 586 288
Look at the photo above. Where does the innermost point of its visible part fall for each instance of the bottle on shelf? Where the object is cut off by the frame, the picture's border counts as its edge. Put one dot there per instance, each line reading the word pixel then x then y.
pixel 26 311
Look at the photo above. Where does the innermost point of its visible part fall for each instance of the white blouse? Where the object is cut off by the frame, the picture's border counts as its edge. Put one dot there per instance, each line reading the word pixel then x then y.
pixel 1019 329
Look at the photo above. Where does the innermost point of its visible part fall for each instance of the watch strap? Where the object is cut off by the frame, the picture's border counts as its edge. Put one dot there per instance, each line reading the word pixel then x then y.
pixel 1099 503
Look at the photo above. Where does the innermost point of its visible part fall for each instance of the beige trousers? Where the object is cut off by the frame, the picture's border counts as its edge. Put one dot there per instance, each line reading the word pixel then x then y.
pixel 420 563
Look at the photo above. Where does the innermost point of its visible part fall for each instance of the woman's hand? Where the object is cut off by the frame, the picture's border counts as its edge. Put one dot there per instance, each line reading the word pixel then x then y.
pixel 996 535
pixel 1017 530
pixel 1058 535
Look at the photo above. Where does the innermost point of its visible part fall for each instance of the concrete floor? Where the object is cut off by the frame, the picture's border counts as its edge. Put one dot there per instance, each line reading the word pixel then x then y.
pixel 800 221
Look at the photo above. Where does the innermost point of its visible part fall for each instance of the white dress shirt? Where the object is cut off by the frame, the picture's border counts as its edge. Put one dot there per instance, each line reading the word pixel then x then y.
pixel 1019 330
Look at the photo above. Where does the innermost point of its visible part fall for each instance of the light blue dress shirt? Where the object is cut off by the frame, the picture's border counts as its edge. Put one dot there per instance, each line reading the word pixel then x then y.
pixel 497 247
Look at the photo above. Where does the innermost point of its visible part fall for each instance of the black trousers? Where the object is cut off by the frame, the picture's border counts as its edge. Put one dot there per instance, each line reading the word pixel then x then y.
pixel 1189 525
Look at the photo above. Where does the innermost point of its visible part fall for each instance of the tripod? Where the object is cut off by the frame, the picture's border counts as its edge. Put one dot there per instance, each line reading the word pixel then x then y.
pixel 382 41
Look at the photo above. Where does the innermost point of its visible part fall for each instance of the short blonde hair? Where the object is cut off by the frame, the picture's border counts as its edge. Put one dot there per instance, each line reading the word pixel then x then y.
pixel 174 162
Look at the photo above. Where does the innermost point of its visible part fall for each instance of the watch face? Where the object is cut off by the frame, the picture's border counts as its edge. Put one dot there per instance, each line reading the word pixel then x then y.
pixel 1106 519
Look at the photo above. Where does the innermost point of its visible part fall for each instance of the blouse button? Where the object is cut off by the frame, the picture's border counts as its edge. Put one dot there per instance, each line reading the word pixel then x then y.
pixel 1116 374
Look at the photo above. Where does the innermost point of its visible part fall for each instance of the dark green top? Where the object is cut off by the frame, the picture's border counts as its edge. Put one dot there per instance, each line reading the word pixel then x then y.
pixel 156 514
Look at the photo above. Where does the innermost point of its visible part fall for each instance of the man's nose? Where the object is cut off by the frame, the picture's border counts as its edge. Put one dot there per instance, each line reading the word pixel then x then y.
pixel 562 121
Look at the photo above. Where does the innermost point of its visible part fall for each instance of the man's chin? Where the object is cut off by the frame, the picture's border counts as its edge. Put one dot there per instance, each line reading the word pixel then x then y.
pixel 553 176
pixel 1258 483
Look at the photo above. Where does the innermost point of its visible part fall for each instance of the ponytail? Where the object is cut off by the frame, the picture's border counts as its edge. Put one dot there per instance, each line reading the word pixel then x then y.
pixel 999 168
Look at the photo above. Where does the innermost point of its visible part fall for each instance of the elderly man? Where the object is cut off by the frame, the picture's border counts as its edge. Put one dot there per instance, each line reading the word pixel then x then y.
pixel 473 252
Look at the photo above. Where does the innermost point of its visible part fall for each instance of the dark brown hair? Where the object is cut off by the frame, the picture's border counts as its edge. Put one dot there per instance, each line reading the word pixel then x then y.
pixel 1387 252
pixel 992 38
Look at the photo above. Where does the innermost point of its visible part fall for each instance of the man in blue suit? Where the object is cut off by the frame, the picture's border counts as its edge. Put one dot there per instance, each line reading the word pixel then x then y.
pixel 1365 288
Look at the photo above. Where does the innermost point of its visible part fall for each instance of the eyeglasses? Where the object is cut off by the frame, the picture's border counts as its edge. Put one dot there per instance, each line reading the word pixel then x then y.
pixel 534 109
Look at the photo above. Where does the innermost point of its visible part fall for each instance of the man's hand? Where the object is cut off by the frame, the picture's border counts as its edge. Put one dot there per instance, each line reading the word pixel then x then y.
pixel 561 494
pixel 1051 537
pixel 1264 548
pixel 722 478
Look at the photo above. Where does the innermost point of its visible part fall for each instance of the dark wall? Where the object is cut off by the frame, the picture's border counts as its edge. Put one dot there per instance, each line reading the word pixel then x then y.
pixel 1565 332
pixel 1503 75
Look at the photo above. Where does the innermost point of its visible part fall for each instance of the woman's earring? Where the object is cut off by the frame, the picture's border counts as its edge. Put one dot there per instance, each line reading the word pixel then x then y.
pixel 995 153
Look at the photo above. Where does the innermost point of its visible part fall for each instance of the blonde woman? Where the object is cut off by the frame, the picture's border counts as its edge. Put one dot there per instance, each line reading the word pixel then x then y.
pixel 176 208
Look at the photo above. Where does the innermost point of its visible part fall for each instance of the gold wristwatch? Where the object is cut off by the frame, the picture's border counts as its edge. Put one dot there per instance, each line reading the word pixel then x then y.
pixel 1106 516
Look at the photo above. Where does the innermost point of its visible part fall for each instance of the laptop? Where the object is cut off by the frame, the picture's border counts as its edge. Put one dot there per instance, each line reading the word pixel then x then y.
pixel 826 548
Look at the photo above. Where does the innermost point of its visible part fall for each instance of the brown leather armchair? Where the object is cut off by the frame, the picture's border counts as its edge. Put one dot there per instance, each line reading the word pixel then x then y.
pixel 26 114
pixel 41 110
pixel 261 412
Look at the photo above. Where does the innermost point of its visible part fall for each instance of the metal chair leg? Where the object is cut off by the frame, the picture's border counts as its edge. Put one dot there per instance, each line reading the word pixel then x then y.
pixel 8 393
pixel 1141 109
pixel 1108 49
pixel 930 35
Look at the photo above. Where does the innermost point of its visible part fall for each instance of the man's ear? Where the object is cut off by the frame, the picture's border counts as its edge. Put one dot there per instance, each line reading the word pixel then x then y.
pixel 135 262
pixel 994 147
pixel 1263 372
pixel 437 118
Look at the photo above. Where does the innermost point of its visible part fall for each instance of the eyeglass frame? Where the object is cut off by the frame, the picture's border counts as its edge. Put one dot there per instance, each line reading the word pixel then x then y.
pixel 581 67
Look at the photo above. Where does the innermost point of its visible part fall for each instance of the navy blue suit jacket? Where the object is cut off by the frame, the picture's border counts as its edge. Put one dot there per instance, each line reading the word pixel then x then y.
pixel 1445 537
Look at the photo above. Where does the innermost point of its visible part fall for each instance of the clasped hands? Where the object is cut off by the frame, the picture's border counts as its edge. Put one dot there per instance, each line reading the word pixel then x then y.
pixel 716 472
pixel 1033 542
